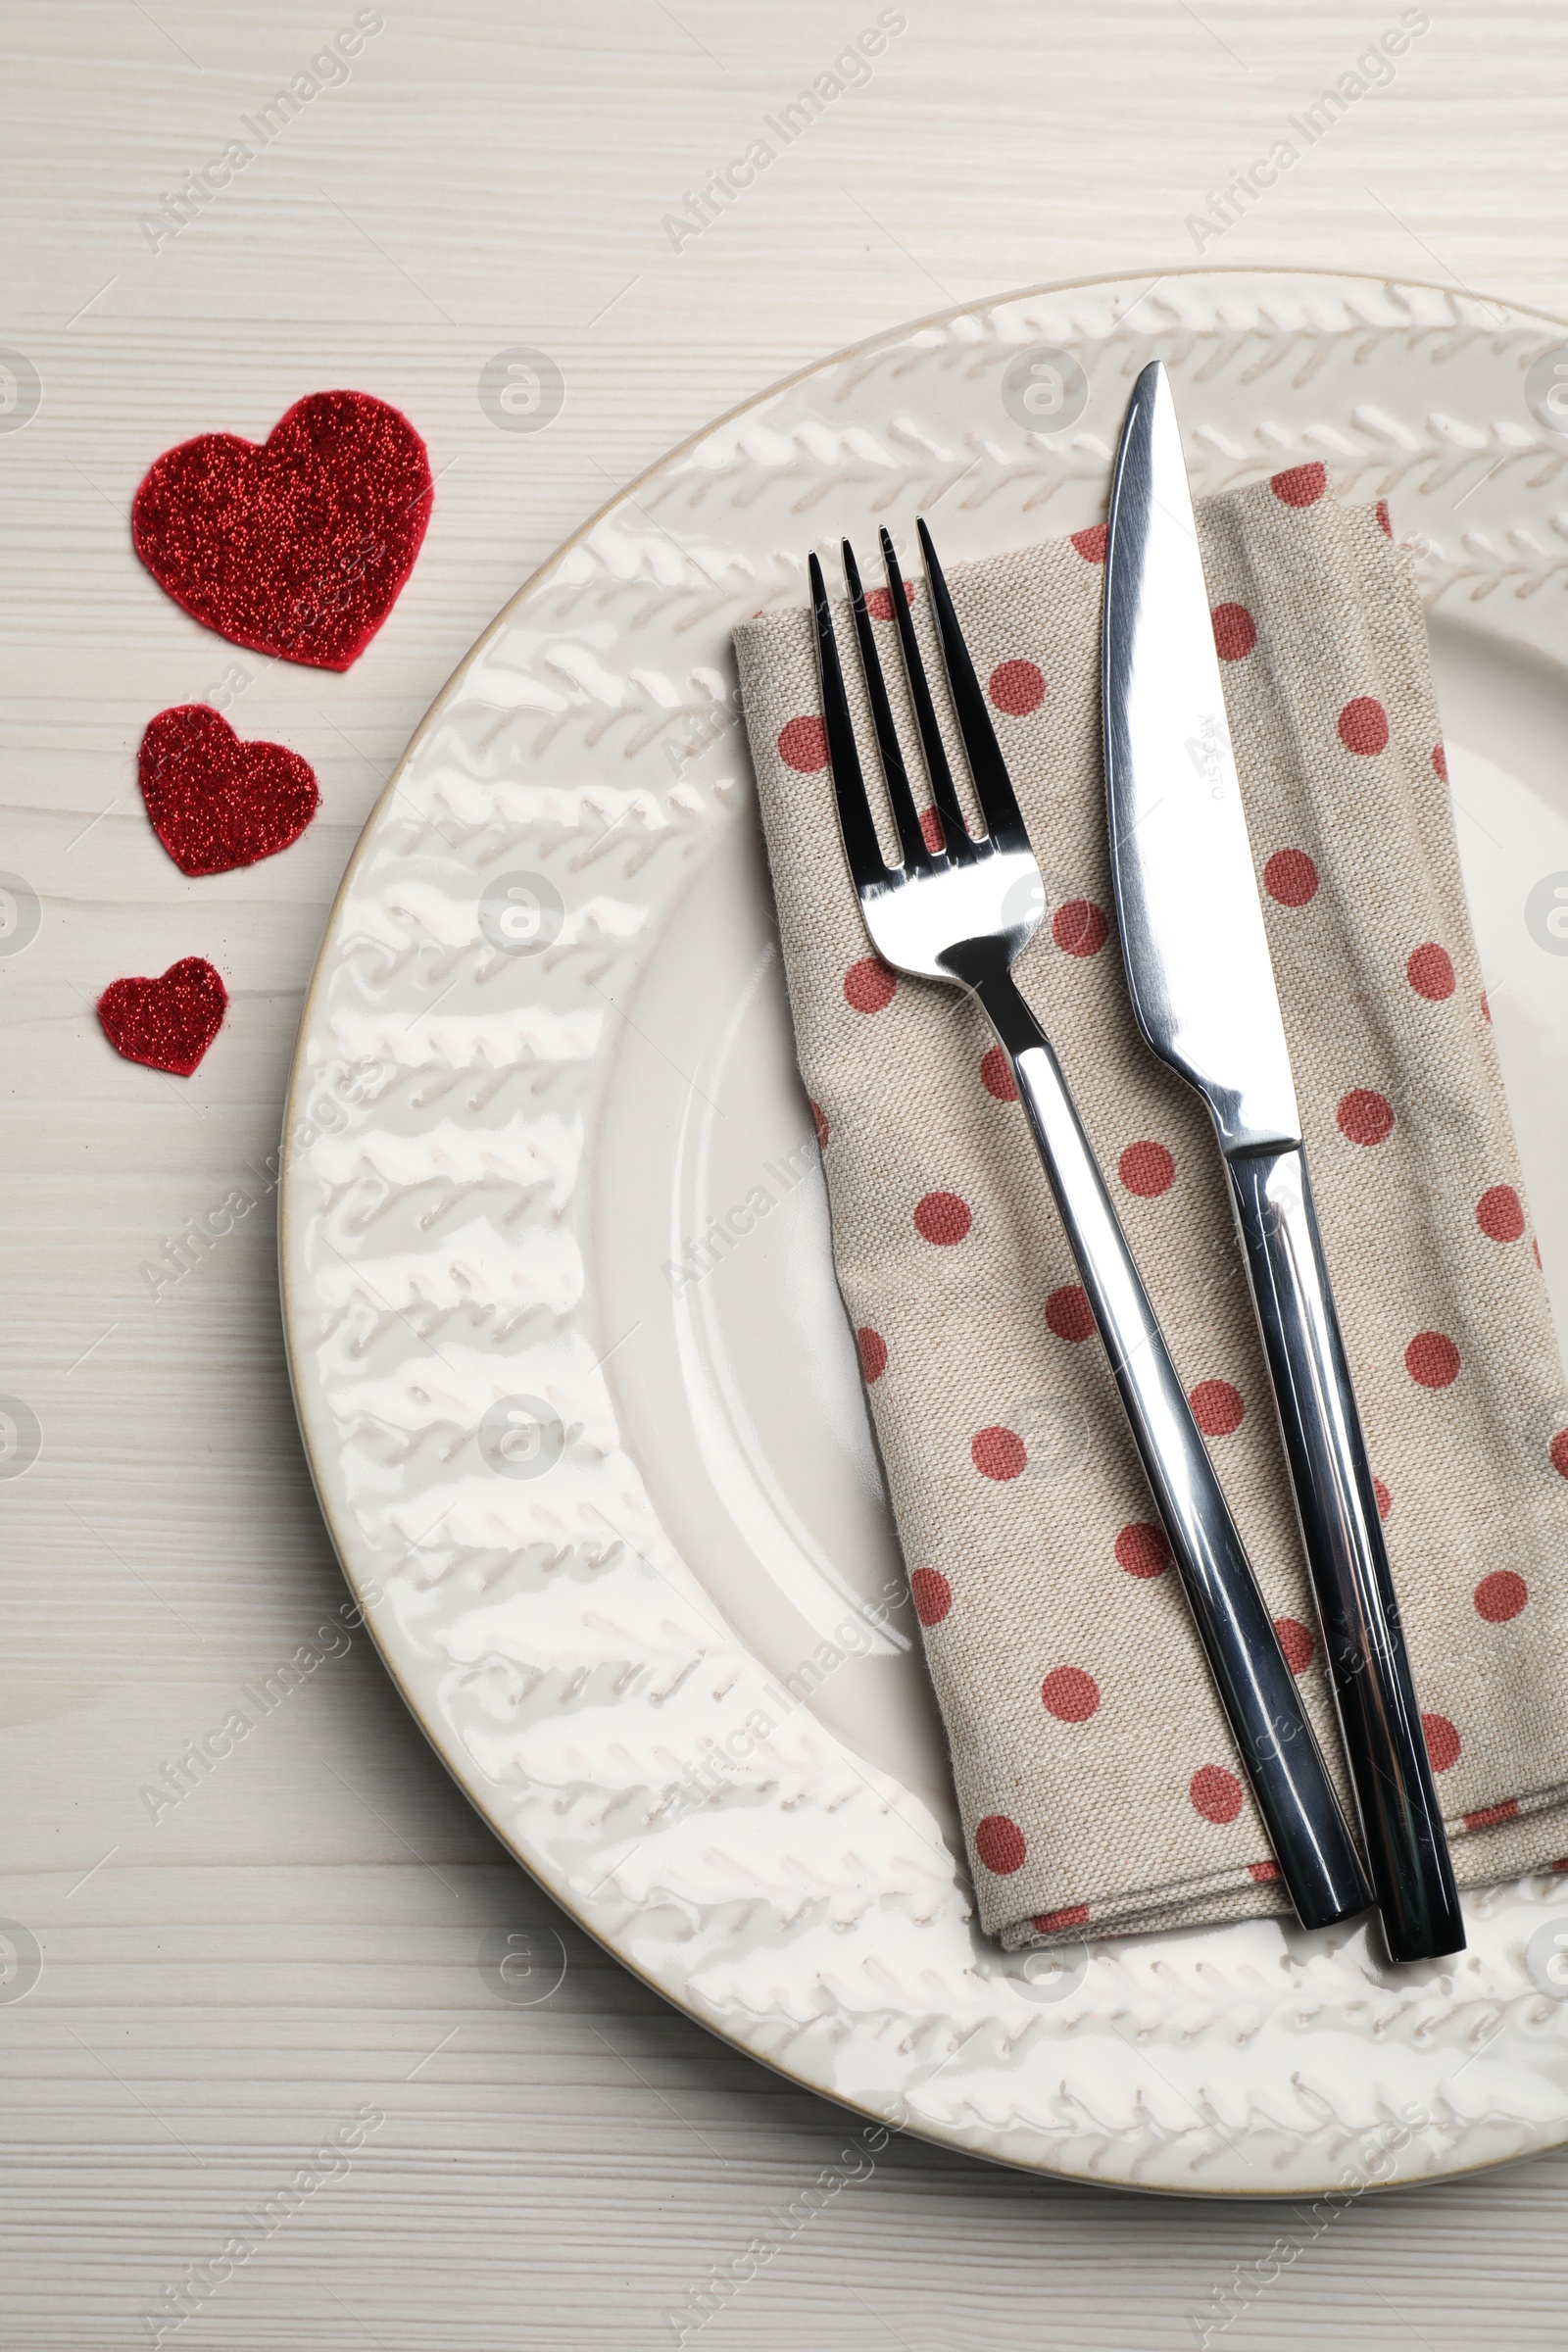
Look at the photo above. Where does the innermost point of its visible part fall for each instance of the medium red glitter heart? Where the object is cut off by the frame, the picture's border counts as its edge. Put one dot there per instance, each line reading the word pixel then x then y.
pixel 216 803
pixel 297 546
pixel 167 1023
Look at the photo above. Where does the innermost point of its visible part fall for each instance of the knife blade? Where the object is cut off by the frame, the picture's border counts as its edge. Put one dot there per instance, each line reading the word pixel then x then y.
pixel 1203 992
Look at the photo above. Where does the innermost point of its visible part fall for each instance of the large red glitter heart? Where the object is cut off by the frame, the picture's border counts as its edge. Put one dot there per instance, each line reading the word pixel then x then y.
pixel 216 803
pixel 298 545
pixel 167 1023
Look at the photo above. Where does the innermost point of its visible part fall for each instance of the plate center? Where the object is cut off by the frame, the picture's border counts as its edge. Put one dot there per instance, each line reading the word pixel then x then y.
pixel 739 1386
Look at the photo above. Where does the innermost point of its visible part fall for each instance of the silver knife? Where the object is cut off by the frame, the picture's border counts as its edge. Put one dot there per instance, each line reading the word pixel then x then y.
pixel 1202 987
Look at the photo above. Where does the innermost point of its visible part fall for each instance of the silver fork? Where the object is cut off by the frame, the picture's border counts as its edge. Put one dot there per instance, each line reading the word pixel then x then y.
pixel 963 914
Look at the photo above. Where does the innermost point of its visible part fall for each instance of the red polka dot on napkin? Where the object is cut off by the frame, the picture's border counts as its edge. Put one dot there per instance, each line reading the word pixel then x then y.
pixel 1235 632
pixel 1291 878
pixel 1018 688
pixel 1215 1794
pixel 999 1845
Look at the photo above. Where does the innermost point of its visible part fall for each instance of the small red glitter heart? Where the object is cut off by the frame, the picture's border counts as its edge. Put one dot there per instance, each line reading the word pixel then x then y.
pixel 216 803
pixel 167 1023
pixel 299 545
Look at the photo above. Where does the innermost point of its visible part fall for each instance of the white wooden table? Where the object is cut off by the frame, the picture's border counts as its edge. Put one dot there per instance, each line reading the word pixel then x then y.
pixel 300 1938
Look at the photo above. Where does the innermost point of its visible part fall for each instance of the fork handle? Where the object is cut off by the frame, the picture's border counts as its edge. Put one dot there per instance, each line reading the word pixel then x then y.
pixel 1283 1763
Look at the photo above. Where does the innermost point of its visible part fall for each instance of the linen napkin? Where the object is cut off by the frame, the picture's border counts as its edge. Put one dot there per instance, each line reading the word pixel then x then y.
pixel 1096 1774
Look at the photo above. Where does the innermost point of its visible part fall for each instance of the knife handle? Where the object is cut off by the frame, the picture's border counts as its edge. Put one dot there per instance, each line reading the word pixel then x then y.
pixel 1401 1824
pixel 1295 1796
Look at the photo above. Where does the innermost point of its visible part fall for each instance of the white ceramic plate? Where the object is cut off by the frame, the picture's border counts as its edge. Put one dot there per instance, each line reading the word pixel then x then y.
pixel 608 1512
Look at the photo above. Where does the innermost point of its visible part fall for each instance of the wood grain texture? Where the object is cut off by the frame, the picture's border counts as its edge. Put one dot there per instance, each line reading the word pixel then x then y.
pixel 302 1935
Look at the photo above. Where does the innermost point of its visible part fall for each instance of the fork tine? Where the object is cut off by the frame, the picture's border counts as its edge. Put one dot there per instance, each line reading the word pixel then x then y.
pixel 943 789
pixel 992 784
pixel 861 845
pixel 911 840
